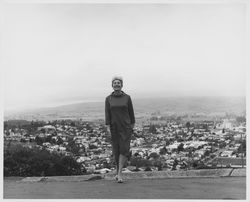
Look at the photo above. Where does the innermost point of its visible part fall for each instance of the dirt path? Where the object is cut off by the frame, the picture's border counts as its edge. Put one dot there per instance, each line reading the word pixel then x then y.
pixel 187 188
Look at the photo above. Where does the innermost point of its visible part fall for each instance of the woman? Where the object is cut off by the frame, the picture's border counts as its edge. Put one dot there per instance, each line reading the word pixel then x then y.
pixel 120 119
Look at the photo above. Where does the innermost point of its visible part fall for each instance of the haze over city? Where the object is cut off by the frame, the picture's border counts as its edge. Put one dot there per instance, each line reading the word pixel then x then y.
pixel 57 54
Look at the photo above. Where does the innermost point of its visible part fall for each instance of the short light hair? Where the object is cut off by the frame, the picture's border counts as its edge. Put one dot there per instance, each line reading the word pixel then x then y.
pixel 117 78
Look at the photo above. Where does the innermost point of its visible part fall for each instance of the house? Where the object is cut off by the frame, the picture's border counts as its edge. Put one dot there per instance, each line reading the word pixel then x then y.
pixel 46 144
pixel 82 159
pixel 226 153
pixel 228 161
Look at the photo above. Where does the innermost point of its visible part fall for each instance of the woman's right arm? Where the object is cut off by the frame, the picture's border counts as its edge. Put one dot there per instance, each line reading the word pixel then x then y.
pixel 107 112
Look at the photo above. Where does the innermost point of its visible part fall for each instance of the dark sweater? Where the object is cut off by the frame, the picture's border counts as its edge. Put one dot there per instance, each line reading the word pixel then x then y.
pixel 119 110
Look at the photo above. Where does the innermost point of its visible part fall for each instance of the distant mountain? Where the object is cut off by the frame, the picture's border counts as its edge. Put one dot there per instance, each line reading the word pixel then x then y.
pixel 194 104
pixel 142 107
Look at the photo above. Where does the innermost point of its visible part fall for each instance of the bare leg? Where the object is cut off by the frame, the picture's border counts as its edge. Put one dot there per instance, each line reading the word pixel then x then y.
pixel 122 161
pixel 116 155
pixel 117 164
pixel 117 167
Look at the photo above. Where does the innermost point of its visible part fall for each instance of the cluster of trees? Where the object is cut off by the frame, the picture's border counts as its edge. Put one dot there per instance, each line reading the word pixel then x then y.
pixel 152 129
pixel 23 161
pixel 41 140
pixel 242 147
pixel 139 162
pixel 29 126
pixel 74 148
pixel 175 118
pixel 205 125
pixel 70 147
pixel 241 119
pixel 155 161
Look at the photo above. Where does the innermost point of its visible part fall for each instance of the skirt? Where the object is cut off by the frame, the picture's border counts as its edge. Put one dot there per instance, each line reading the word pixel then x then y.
pixel 120 138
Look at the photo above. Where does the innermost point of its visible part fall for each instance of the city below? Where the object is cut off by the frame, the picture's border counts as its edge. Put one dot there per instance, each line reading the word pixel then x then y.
pixel 159 142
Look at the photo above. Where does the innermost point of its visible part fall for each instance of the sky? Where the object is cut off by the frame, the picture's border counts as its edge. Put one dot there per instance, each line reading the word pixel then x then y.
pixel 55 54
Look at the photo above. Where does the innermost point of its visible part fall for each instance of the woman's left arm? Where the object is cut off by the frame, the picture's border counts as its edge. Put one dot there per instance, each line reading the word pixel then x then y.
pixel 131 111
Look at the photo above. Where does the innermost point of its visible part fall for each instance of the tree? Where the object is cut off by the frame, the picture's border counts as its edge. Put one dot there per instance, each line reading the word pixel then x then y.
pixel 22 161
pixel 222 145
pixel 148 169
pixel 175 164
pixel 139 162
pixel 53 141
pixel 242 147
pixel 91 146
pixel 39 140
pixel 190 153
pixel 59 141
pixel 152 129
pixel 180 147
pixel 188 125
pixel 154 155
pixel 241 119
pixel 167 142
pixel 206 153
pixel 72 147
pixel 163 151
pixel 23 140
pixel 158 164
pixel 48 138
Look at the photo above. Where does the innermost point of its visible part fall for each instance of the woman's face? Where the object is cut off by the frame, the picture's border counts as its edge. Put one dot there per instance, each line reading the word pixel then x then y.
pixel 117 85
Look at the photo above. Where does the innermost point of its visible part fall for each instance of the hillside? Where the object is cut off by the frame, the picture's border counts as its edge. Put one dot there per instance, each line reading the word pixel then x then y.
pixel 143 108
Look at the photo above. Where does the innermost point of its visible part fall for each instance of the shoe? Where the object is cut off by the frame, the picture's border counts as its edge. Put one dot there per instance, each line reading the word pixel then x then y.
pixel 120 180
pixel 116 177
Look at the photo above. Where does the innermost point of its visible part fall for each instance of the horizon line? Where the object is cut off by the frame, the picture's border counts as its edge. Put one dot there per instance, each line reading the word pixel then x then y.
pixel 99 100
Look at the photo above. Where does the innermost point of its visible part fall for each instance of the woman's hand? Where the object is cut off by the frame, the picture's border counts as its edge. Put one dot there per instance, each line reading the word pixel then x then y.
pixel 108 129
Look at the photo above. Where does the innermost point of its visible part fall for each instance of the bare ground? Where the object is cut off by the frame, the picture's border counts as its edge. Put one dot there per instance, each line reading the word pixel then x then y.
pixel 184 188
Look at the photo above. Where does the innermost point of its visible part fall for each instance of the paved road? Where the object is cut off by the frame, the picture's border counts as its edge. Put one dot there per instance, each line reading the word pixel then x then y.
pixel 185 188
